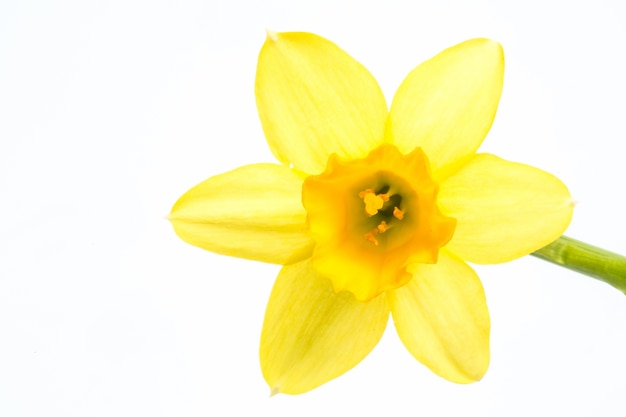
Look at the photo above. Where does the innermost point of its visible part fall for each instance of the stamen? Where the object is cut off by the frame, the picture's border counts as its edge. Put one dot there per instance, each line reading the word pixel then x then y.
pixel 363 193
pixel 373 202
pixel 381 228
pixel 369 236
pixel 397 213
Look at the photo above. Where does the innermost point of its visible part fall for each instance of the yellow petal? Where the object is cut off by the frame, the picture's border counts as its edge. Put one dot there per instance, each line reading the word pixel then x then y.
pixel 504 210
pixel 447 104
pixel 441 317
pixel 253 212
pixel 312 334
pixel 314 99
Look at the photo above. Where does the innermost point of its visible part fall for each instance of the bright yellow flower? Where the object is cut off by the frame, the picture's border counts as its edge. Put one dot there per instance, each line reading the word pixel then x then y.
pixel 373 210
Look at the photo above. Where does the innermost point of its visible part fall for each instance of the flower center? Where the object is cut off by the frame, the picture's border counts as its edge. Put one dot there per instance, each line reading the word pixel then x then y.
pixel 372 217
pixel 384 206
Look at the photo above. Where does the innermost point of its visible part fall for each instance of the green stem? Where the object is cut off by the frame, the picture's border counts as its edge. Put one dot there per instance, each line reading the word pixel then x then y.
pixel 586 259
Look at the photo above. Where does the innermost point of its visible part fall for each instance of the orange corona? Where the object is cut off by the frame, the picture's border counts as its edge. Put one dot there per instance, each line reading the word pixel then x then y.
pixel 372 217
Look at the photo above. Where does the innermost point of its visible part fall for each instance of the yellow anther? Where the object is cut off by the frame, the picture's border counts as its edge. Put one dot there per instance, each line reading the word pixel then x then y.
pixel 369 236
pixel 373 203
pixel 381 228
pixel 363 193
pixel 397 213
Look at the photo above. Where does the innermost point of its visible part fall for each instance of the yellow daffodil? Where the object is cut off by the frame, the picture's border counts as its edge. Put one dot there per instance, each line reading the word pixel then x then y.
pixel 374 211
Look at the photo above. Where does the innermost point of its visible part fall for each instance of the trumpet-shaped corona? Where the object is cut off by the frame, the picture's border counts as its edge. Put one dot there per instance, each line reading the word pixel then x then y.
pixel 372 217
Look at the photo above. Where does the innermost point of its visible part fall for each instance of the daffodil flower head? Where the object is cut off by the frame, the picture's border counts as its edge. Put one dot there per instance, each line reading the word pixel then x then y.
pixel 373 211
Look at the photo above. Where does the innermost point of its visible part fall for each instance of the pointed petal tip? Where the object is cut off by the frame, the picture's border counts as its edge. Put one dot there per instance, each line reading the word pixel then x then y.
pixel 271 35
pixel 485 45
pixel 491 42
pixel 487 41
pixel 490 45
pixel 498 46
pixel 173 217
pixel 274 391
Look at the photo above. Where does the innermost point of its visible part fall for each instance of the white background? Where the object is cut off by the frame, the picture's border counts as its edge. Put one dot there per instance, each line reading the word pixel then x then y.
pixel 109 111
